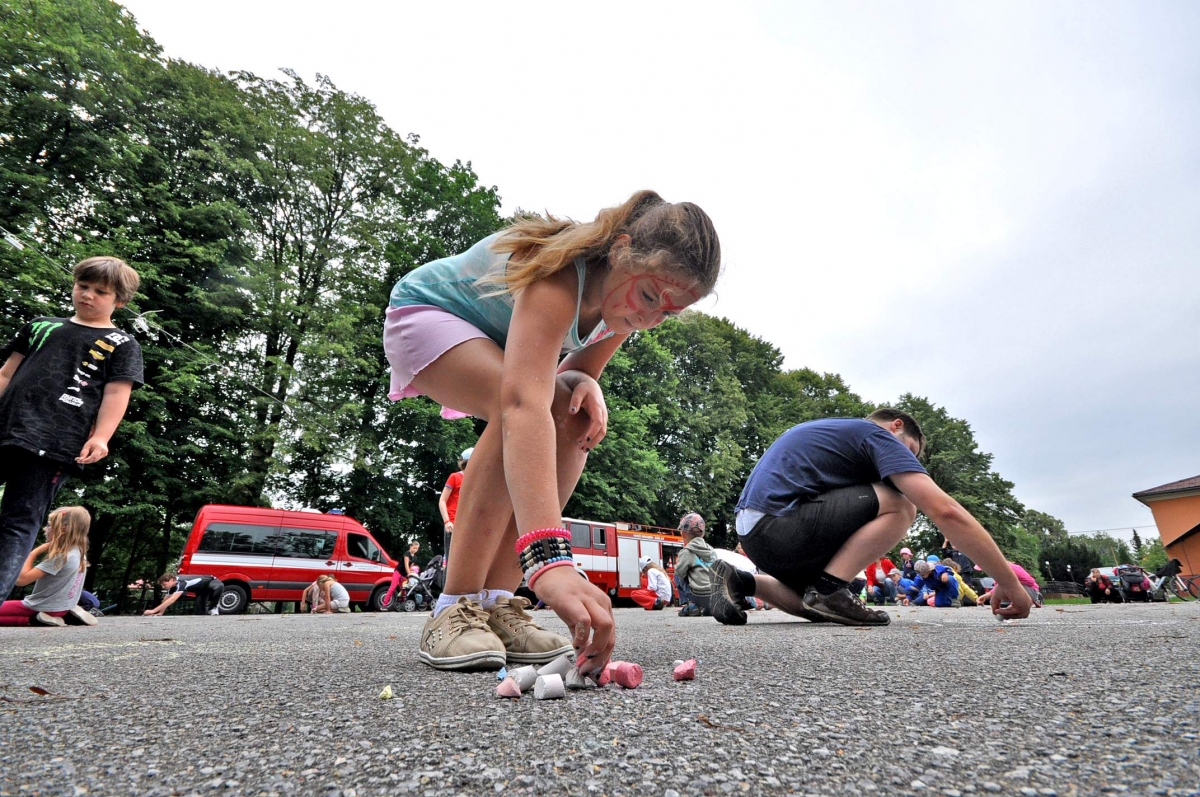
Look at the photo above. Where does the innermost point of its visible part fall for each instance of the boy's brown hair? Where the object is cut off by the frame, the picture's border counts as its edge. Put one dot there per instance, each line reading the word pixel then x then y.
pixel 911 427
pixel 111 271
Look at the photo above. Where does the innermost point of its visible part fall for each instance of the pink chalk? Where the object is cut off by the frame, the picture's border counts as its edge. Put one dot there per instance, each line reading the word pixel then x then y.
pixel 628 675
pixel 508 688
pixel 686 671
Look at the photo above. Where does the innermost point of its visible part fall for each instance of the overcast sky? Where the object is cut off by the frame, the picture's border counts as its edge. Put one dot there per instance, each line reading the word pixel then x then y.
pixel 995 205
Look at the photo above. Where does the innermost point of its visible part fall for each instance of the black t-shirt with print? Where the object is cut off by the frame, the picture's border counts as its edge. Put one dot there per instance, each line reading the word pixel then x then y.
pixel 52 401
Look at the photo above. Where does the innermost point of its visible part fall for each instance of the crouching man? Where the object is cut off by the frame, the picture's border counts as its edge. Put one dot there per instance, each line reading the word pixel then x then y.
pixel 829 498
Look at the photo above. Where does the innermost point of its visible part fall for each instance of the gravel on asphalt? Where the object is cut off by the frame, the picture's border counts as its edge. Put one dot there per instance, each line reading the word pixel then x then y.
pixel 1076 700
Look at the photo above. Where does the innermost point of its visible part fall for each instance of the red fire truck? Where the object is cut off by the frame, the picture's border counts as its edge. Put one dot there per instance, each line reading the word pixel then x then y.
pixel 609 552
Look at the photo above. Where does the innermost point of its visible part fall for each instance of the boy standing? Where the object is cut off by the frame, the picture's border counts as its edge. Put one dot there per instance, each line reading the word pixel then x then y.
pixel 830 497
pixel 64 387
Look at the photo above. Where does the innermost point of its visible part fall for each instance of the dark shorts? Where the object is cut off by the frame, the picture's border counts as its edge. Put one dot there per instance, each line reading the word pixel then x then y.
pixel 795 548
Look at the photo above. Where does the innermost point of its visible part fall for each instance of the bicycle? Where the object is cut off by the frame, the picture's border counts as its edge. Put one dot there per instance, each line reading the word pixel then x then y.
pixel 1186 588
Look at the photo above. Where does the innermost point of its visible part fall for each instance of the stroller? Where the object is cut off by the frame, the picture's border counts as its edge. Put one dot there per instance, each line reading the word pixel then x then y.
pixel 418 592
pixel 1133 583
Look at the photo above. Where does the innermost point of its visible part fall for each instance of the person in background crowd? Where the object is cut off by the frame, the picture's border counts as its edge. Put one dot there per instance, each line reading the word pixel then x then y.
pixel 206 589
pixel 966 595
pixel 331 597
pixel 1100 588
pixel 908 566
pixel 693 568
pixel 880 589
pixel 448 502
pixel 655 592
pixel 936 586
pixel 1032 588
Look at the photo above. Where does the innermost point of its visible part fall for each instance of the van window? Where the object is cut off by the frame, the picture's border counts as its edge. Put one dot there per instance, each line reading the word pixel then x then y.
pixel 361 547
pixel 307 543
pixel 581 535
pixel 240 538
pixel 599 535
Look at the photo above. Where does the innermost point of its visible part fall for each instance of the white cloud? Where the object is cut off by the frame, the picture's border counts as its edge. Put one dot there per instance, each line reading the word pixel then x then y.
pixel 990 204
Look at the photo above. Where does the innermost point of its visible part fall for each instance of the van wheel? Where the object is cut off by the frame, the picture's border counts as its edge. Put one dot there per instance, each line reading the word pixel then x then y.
pixel 234 599
pixel 376 604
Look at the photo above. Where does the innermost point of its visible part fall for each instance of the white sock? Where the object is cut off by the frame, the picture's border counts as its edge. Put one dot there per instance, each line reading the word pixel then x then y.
pixel 445 601
pixel 491 595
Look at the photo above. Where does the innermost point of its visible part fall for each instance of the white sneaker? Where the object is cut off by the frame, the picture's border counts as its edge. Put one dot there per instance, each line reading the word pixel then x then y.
pixel 214 612
pixel 77 615
pixel 41 618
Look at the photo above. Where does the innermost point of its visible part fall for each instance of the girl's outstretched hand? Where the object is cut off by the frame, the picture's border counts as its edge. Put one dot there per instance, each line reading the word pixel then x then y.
pixel 588 398
pixel 586 610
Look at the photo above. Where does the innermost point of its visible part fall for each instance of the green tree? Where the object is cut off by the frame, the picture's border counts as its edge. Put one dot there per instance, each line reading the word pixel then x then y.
pixel 1154 555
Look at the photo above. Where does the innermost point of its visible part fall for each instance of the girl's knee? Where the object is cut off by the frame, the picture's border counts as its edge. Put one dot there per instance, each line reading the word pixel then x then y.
pixel 569 426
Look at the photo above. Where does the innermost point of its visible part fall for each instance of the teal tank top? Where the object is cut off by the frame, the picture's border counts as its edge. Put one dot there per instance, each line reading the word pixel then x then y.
pixel 452 283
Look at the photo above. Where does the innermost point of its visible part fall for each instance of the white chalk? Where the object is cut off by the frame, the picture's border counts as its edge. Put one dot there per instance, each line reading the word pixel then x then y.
pixel 557 667
pixel 549 687
pixel 575 680
pixel 525 677
pixel 676 663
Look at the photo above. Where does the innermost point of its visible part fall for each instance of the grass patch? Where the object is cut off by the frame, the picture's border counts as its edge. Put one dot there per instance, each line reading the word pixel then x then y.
pixel 1065 601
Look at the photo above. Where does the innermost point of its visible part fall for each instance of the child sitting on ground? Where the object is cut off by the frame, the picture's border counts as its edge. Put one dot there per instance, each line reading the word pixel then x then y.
pixel 58 579
pixel 656 590
pixel 936 585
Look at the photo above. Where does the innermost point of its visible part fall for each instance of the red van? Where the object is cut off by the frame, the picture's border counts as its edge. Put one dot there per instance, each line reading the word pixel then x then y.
pixel 273 554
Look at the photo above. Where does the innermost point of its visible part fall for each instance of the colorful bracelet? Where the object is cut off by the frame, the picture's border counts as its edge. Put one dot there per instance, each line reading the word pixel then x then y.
pixel 544 568
pixel 541 534
pixel 543 549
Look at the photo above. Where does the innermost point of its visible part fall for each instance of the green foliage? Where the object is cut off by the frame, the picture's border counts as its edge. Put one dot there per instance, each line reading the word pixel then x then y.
pixel 1154 555
pixel 269 219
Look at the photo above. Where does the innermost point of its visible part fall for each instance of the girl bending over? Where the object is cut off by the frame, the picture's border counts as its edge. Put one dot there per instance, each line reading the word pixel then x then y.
pixel 516 331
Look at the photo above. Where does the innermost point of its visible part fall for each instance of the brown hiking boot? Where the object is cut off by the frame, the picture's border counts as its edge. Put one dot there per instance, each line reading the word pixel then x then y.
pixel 524 640
pixel 844 608
pixel 459 639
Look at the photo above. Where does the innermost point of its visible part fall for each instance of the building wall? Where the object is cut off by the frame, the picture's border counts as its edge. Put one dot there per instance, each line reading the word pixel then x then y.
pixel 1175 516
pixel 1188 554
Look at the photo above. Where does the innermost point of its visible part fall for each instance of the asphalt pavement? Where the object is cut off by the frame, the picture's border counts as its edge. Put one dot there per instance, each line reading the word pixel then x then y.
pixel 1076 700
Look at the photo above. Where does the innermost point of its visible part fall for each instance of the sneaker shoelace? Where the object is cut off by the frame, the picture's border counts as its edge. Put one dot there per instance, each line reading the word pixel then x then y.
pixel 517 616
pixel 468 615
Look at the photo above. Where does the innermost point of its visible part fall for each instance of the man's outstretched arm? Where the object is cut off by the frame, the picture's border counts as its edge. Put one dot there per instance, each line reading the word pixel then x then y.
pixel 962 529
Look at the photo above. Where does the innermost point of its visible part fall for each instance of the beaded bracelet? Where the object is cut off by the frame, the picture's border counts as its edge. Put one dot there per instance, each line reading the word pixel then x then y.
pixel 542 534
pixel 543 549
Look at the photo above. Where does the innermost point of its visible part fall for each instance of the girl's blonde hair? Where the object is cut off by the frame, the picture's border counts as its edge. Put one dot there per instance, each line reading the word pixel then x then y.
pixel 69 530
pixel 664 236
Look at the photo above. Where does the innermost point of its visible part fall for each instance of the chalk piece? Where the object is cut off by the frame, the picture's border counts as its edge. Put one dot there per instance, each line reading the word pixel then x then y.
pixel 628 675
pixel 686 671
pixel 549 687
pixel 525 677
pixel 508 688
pixel 386 694
pixel 575 680
pixel 557 667
pixel 675 663
pixel 500 676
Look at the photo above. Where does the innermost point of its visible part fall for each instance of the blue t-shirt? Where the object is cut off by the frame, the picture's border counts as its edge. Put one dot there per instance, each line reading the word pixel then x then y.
pixel 816 457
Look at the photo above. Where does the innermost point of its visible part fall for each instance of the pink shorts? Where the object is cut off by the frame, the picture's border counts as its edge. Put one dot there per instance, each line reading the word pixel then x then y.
pixel 416 335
